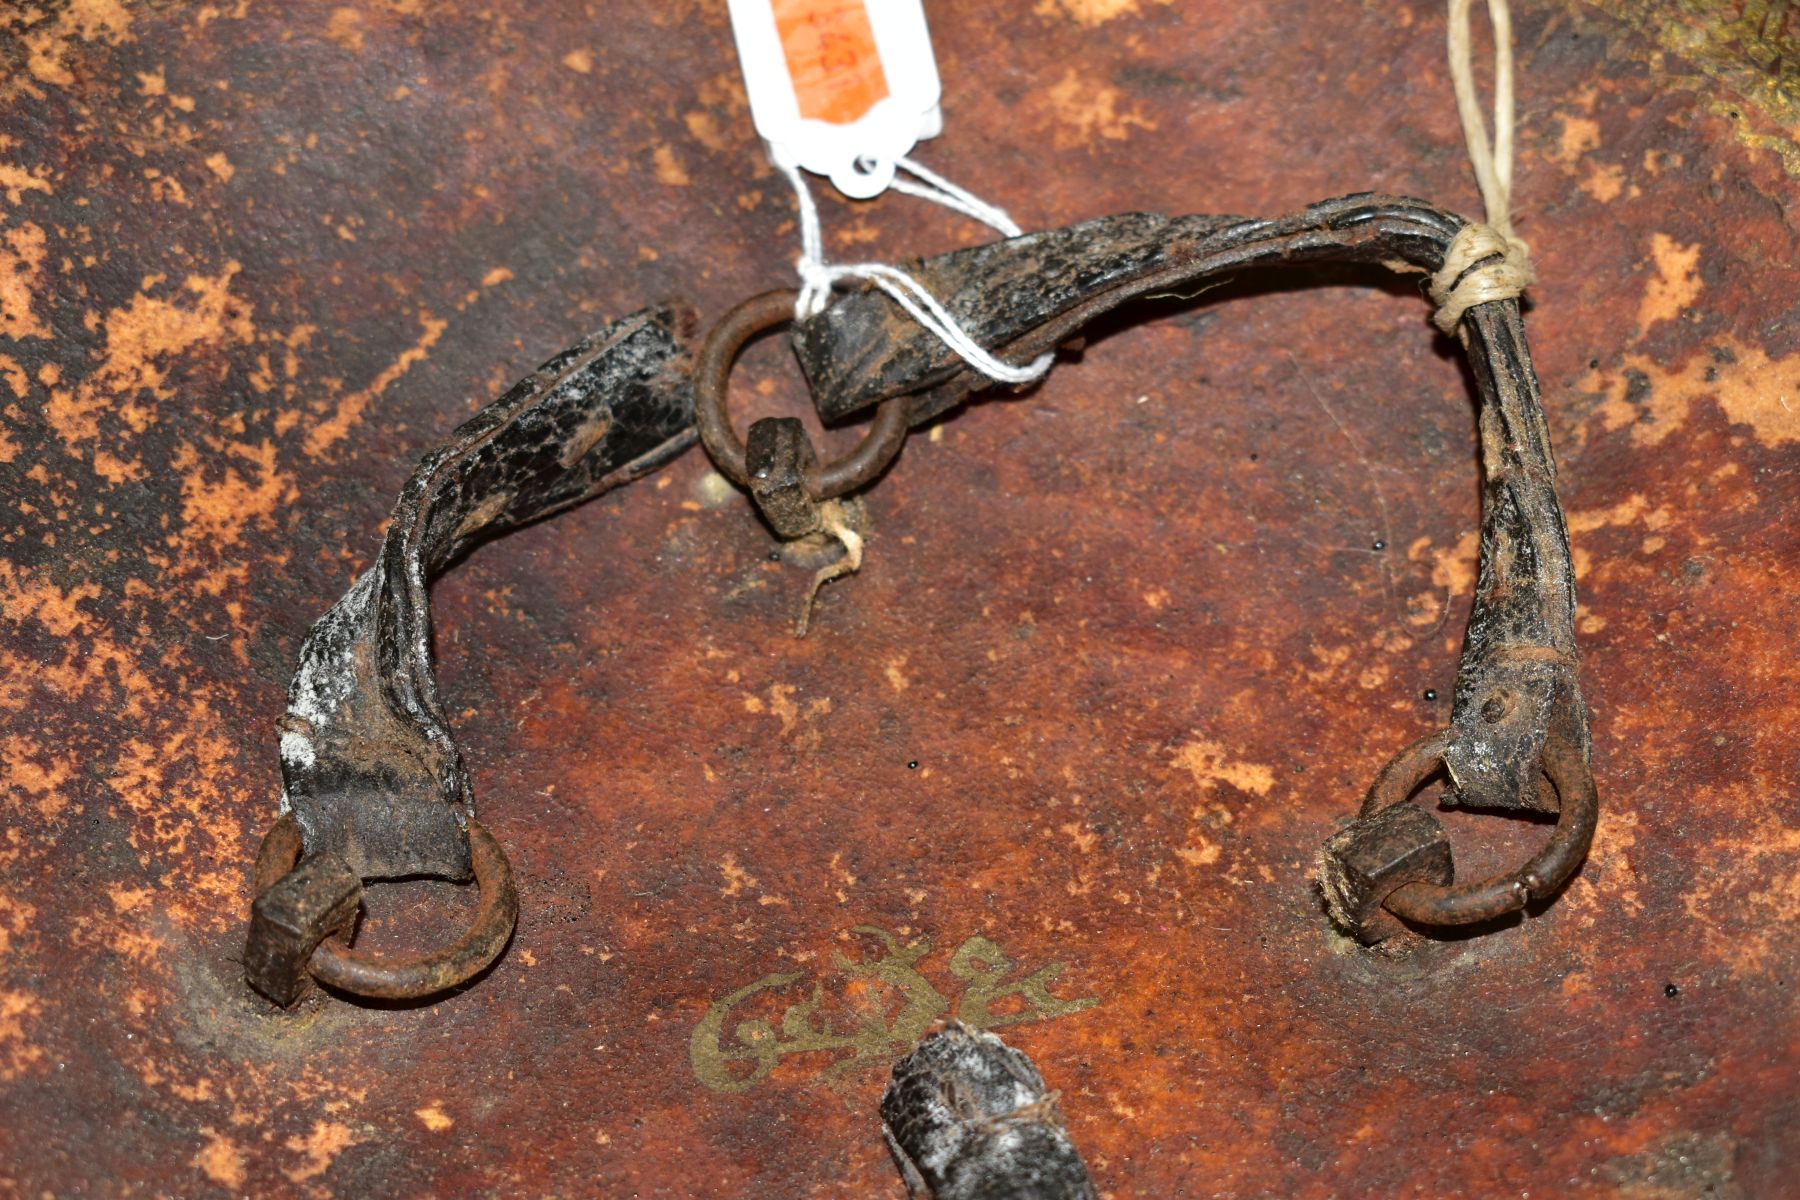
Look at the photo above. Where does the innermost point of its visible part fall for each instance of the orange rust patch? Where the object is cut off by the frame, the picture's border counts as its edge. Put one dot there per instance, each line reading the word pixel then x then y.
pixel 15 181
pixel 1776 905
pixel 1632 509
pixel 25 596
pixel 736 878
pixel 346 29
pixel 142 339
pixel 1613 883
pixel 350 409
pixel 214 512
pixel 1089 12
pixel 21 276
pixel 149 329
pixel 138 945
pixel 1677 282
pixel 327 1140
pixel 433 1117
pixel 15 377
pixel 15 917
pixel 221 1159
pixel 704 127
pixel 1580 135
pixel 126 899
pixel 171 787
pixel 1202 855
pixel 1604 183
pixel 1086 110
pixel 1653 400
pixel 1453 568
pixel 669 169
pixel 1208 764
pixel 114 469
pixel 18 1054
pixel 23 770
pixel 49 47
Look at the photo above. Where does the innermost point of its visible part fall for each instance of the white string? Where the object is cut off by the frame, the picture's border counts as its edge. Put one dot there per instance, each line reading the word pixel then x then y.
pixel 939 190
pixel 1506 269
pixel 817 277
pixel 1493 161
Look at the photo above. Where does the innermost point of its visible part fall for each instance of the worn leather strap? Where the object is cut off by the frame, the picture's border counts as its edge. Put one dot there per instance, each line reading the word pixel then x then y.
pixel 374 785
pixel 369 766
pixel 1516 683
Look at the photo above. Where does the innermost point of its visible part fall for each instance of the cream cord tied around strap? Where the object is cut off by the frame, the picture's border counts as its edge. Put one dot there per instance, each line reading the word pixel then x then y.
pixel 1459 283
pixel 817 277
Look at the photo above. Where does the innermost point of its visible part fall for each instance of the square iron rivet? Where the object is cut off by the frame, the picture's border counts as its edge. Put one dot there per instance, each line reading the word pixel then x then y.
pixel 319 897
pixel 777 454
pixel 1363 863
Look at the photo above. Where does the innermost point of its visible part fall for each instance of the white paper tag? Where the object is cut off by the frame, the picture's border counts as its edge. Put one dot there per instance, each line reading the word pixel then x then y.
pixel 841 88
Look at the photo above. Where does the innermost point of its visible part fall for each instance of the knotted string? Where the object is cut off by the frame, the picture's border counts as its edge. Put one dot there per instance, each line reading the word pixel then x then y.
pixel 1504 260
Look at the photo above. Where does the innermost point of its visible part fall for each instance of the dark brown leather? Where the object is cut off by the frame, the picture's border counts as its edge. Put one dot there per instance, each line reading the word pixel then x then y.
pixel 1516 683
pixel 369 766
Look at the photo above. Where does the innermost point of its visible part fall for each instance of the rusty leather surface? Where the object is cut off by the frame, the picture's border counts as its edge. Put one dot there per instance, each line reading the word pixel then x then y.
pixel 254 258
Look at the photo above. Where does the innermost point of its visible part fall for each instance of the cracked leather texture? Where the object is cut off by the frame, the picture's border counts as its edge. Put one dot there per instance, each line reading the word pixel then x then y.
pixel 1516 683
pixel 968 1117
pixel 369 766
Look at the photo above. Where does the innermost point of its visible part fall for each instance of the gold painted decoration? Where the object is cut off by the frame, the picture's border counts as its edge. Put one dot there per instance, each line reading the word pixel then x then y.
pixel 874 1009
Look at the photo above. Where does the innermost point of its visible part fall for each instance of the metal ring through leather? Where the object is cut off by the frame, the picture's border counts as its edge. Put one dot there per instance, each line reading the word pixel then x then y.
pixel 409 978
pixel 1543 874
pixel 712 380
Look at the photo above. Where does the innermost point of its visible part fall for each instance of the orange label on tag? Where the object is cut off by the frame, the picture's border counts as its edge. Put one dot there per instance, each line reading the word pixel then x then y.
pixel 843 88
pixel 831 58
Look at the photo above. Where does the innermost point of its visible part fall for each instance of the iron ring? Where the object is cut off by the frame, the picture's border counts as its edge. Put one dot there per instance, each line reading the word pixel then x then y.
pixel 712 378
pixel 389 978
pixel 1546 871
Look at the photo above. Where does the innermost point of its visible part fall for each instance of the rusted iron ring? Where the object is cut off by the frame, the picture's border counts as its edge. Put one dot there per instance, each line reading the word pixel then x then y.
pixel 1546 871
pixel 712 377
pixel 385 978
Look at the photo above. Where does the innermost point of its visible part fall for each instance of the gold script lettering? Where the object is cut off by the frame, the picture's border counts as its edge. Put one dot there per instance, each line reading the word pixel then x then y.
pixel 984 966
pixel 892 1004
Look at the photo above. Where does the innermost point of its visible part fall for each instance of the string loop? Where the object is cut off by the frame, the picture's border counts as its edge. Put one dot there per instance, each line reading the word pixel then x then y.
pixel 1485 262
pixel 818 277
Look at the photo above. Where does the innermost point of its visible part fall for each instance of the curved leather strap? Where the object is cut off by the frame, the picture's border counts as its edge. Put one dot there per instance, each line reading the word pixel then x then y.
pixel 371 771
pixel 1516 683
